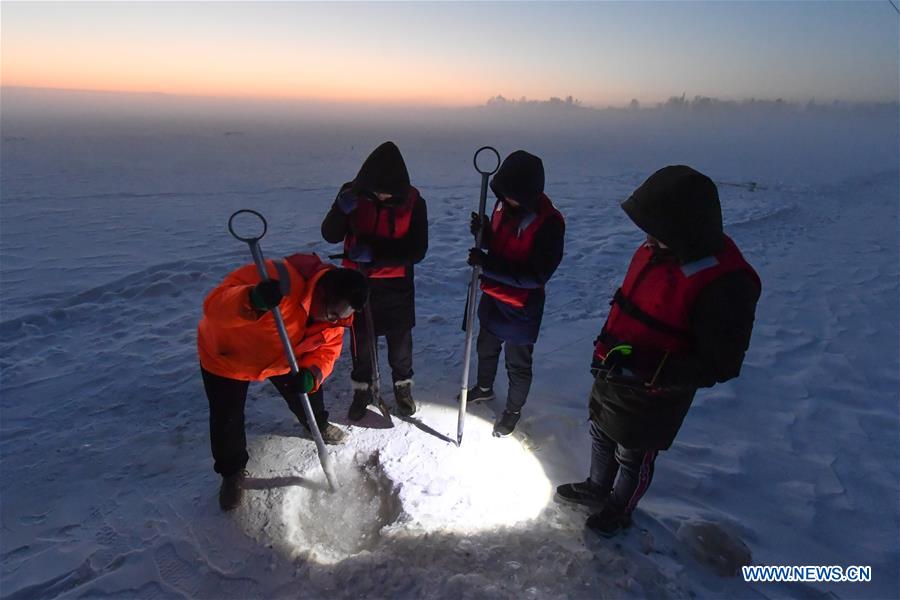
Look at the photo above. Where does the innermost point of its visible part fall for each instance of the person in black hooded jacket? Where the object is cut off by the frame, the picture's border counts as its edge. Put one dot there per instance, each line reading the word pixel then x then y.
pixel 522 245
pixel 681 321
pixel 383 223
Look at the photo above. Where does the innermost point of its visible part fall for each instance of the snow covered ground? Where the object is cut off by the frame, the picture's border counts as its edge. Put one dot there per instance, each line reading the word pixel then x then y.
pixel 111 236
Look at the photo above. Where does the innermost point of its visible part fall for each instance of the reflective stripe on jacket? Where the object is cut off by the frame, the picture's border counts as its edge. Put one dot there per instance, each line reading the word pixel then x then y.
pixel 651 311
pixel 512 240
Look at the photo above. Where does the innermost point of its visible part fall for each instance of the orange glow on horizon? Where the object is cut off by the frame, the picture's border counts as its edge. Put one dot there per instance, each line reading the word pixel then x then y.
pixel 244 93
pixel 190 68
pixel 248 74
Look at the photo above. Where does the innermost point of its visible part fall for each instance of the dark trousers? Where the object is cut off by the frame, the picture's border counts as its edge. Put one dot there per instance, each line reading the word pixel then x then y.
pixel 625 472
pixel 226 416
pixel 518 359
pixel 399 345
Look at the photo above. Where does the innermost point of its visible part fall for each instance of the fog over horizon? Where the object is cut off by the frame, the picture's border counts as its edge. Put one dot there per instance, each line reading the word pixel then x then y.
pixel 204 141
pixel 26 100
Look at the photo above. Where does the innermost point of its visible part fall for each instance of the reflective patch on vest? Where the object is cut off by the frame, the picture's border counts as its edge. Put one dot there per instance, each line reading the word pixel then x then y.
pixel 692 268
pixel 526 221
pixel 284 277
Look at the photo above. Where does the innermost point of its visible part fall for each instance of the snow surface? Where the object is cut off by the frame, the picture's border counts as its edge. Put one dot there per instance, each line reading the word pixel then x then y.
pixel 113 233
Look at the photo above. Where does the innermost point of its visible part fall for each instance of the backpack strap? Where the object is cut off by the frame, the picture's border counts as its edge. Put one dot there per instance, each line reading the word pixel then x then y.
pixel 284 277
pixel 634 311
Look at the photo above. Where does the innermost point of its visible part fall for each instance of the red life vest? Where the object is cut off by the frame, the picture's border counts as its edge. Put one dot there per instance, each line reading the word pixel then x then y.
pixel 651 311
pixel 512 239
pixel 376 220
pixel 307 264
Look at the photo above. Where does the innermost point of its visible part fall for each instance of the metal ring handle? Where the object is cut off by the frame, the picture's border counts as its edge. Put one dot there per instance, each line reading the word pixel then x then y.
pixel 248 239
pixel 479 151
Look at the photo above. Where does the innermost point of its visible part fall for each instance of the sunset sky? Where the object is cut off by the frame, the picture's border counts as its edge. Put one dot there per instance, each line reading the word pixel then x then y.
pixel 457 53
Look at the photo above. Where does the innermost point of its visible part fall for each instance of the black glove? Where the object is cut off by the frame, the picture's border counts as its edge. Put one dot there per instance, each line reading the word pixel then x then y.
pixel 476 224
pixel 266 295
pixel 477 258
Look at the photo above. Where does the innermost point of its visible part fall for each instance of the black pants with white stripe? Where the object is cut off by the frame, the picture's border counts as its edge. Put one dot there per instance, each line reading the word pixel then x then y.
pixel 625 472
pixel 226 416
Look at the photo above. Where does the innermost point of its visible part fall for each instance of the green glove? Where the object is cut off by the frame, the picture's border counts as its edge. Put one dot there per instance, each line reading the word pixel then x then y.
pixel 306 380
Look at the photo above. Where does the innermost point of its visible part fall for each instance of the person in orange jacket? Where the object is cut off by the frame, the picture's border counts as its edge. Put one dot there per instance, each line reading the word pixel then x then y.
pixel 238 342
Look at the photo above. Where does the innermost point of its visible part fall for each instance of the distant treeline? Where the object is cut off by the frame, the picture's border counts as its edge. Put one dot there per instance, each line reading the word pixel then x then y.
pixel 701 104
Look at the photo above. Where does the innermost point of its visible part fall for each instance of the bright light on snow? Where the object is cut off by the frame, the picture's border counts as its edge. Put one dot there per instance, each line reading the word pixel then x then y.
pixel 485 483
pixel 403 483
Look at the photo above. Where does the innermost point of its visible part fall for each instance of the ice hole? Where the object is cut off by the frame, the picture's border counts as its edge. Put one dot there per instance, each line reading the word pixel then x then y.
pixel 332 526
pixel 717 545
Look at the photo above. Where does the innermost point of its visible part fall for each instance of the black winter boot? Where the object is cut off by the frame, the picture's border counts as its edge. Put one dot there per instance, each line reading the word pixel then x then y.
pixel 478 394
pixel 403 395
pixel 582 492
pixel 506 424
pixel 609 521
pixel 232 491
pixel 362 397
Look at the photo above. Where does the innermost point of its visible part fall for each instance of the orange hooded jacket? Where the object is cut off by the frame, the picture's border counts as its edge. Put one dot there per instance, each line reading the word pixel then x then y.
pixel 235 341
